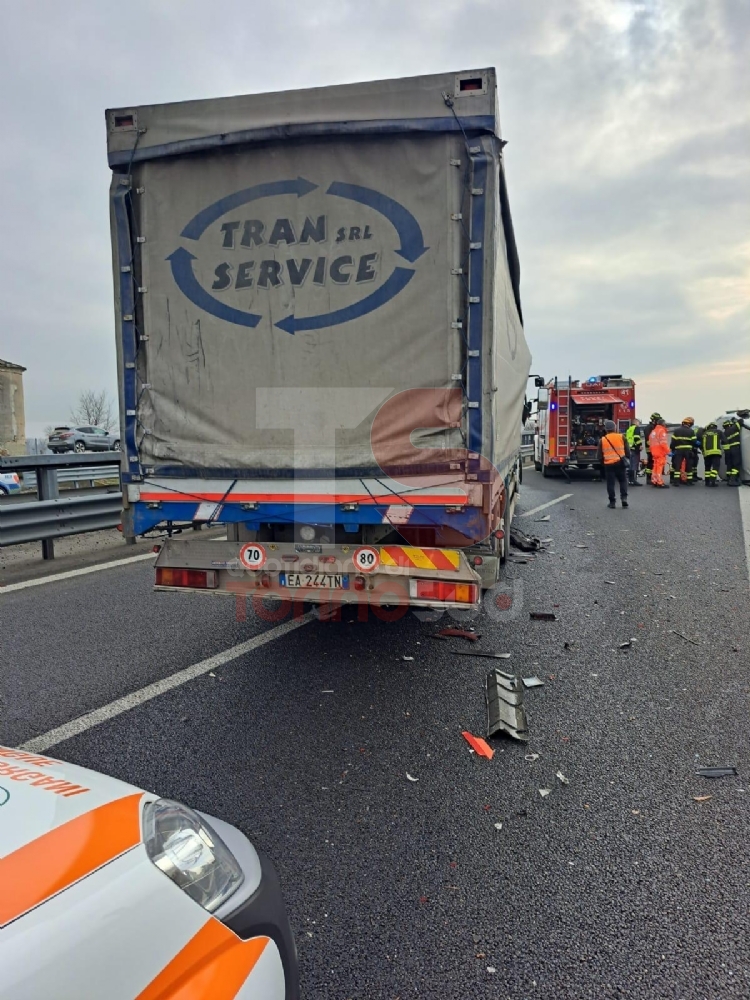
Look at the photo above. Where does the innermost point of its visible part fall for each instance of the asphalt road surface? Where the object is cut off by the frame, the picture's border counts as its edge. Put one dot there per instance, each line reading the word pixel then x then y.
pixel 618 884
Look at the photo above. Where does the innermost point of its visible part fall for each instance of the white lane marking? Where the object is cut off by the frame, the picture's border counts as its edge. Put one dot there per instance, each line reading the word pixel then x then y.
pixel 69 574
pixel 84 722
pixel 544 506
pixel 744 496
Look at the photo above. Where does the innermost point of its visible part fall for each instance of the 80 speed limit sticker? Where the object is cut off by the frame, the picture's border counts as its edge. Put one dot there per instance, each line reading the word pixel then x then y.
pixel 252 555
pixel 366 559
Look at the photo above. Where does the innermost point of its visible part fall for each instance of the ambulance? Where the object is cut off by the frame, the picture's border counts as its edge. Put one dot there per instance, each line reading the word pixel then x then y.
pixel 111 892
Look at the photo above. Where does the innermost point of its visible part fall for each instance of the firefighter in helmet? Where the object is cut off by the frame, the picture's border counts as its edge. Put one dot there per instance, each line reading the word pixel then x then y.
pixel 732 450
pixel 711 444
pixel 684 444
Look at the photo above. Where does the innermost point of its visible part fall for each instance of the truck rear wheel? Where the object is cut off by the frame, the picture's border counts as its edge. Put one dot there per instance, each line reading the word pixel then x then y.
pixel 537 465
pixel 546 471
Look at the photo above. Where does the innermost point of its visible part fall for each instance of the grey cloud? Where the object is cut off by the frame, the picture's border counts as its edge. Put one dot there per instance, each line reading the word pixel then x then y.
pixel 628 124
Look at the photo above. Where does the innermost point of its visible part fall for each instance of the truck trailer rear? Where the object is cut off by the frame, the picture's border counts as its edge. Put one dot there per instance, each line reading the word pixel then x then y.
pixel 320 339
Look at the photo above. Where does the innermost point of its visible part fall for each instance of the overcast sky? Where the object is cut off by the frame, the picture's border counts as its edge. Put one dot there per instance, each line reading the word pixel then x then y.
pixel 628 124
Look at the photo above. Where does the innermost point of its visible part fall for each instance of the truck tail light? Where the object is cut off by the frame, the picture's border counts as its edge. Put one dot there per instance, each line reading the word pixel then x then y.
pixel 198 579
pixel 446 590
pixel 359 583
pixel 327 559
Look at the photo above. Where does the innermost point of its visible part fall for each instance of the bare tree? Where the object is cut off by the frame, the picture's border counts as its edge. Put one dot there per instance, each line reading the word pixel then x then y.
pixel 94 409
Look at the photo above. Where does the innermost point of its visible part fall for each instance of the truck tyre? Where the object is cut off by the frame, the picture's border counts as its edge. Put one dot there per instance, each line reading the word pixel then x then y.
pixel 537 465
pixel 546 472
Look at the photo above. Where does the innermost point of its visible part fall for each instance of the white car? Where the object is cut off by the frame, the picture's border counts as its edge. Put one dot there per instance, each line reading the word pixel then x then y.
pixel 107 891
pixel 10 482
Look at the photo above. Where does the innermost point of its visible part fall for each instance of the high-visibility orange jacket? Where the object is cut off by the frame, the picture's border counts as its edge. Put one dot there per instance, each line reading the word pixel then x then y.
pixel 613 448
pixel 658 439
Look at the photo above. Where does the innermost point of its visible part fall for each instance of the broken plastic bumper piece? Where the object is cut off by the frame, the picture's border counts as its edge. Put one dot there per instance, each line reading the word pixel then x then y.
pixel 505 711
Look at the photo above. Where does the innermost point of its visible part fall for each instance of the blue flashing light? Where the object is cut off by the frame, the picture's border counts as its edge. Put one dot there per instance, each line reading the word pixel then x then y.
pixel 594 378
pixel 553 406
pixel 631 404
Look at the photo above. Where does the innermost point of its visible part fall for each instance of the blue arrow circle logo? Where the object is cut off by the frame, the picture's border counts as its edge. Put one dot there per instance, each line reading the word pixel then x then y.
pixel 407 229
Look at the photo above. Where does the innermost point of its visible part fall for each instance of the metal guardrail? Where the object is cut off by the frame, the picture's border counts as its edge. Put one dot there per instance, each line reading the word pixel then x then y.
pixel 51 517
pixel 88 474
pixel 43 520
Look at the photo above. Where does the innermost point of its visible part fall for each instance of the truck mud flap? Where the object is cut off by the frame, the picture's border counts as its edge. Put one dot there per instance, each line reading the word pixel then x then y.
pixel 505 711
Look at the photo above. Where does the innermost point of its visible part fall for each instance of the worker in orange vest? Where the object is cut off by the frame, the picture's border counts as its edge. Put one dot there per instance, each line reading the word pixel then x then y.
pixel 658 441
pixel 614 455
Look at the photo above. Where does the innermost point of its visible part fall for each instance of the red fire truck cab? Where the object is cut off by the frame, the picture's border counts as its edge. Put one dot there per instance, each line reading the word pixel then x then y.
pixel 570 420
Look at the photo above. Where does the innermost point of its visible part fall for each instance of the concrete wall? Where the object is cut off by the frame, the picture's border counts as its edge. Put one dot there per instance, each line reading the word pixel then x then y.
pixel 12 417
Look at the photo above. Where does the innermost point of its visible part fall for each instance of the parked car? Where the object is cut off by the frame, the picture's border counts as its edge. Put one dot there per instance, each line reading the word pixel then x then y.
pixel 108 891
pixel 9 483
pixel 84 438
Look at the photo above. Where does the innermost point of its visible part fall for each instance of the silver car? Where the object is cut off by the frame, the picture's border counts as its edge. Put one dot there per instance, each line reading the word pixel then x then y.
pixel 69 438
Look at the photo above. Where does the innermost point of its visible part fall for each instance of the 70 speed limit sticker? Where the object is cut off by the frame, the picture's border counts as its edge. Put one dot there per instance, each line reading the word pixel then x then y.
pixel 252 555
pixel 366 559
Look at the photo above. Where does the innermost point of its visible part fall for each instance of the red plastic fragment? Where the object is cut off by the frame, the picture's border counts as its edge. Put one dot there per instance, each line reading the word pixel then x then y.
pixel 461 633
pixel 478 745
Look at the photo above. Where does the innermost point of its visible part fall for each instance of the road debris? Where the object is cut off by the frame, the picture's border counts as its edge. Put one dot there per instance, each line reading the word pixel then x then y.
pixel 540 519
pixel 626 645
pixel 504 702
pixel 410 778
pixel 702 798
pixel 460 633
pixel 581 546
pixel 527 543
pixel 491 969
pixel 726 771
pixel 544 792
pixel 478 745
pixel 327 691
pixel 562 779
pixel 612 583
pixel 532 756
pixel 499 826
pixel 685 637
pixel 407 657
pixel 479 652
pixel 542 616
pixel 532 682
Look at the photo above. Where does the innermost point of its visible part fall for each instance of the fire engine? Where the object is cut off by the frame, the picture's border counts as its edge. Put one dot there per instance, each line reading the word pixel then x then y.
pixel 570 417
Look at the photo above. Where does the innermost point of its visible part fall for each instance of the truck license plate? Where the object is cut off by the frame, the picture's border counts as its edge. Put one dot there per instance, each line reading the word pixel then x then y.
pixel 315 581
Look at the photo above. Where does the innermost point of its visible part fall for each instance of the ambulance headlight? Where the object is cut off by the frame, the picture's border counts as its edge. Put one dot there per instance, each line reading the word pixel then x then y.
pixel 185 847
